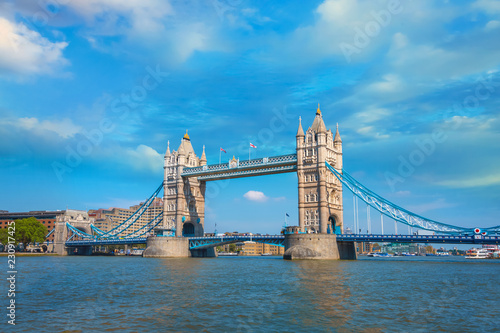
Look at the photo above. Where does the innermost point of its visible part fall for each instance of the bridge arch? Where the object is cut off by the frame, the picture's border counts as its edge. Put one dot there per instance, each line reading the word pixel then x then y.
pixel 188 229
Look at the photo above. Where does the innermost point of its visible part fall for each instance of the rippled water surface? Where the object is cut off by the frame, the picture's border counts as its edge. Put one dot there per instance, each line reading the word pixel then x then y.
pixel 261 294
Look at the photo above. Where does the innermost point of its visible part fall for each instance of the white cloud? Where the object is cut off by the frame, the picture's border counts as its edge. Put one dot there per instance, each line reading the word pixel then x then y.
pixel 141 16
pixel 492 25
pixel 150 25
pixel 478 181
pixel 145 158
pixel 26 52
pixel 65 128
pixel 255 196
pixel 489 6
pixel 425 207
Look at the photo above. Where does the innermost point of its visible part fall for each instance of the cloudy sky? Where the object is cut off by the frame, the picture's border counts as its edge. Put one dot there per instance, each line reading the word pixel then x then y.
pixel 92 90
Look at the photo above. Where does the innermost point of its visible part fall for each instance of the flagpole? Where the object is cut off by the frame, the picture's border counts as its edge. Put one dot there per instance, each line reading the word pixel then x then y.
pixel 220 154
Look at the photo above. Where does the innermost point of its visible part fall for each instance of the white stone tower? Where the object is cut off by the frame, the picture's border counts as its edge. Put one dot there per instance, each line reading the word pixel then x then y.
pixel 320 192
pixel 184 198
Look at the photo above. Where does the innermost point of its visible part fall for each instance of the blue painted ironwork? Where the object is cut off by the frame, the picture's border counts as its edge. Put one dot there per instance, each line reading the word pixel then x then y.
pixel 208 242
pixel 278 240
pixel 50 232
pixel 147 227
pixel 450 239
pixel 394 211
pixel 250 172
pixel 125 225
pixel 97 242
pixel 254 167
pixel 78 232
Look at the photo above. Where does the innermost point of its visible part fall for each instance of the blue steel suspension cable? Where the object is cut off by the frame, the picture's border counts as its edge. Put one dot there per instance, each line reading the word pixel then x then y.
pixel 354 186
pixel 148 225
pixel 111 233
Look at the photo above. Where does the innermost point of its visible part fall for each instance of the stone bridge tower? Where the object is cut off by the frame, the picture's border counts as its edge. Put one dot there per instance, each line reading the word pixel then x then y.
pixel 320 192
pixel 183 198
pixel 78 219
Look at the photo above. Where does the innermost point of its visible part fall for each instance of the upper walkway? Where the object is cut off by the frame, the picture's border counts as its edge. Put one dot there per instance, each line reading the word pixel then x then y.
pixel 238 169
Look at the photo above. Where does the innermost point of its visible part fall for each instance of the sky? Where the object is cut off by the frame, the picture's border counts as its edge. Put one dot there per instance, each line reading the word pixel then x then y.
pixel 91 91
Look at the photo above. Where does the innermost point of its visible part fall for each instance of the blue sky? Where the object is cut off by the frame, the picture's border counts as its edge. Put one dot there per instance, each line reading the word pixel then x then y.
pixel 91 91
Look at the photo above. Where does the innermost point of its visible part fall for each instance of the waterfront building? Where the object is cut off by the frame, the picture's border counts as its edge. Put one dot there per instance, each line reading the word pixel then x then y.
pixel 251 248
pixel 365 247
pixel 404 248
pixel 107 219
pixel 47 217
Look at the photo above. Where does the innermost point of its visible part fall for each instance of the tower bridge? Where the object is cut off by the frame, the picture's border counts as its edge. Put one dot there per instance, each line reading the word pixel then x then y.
pixel 317 161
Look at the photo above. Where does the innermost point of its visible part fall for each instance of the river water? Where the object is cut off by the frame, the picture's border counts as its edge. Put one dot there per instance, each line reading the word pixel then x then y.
pixel 256 294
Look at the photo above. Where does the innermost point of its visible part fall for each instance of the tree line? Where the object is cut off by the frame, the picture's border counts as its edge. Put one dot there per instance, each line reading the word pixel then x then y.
pixel 26 231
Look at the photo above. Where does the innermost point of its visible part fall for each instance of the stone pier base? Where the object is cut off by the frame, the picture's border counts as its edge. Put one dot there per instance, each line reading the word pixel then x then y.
pixel 60 248
pixel 166 247
pixel 317 246
pixel 347 250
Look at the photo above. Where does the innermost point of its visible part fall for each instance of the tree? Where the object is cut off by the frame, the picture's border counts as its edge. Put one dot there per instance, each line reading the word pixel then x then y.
pixel 29 230
pixel 232 247
pixel 4 236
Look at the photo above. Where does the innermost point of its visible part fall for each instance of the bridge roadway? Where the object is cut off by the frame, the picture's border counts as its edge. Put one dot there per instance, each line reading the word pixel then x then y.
pixel 207 242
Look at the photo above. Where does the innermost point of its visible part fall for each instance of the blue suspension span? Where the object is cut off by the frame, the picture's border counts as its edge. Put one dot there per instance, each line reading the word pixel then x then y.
pixel 151 225
pixel 78 232
pixel 50 232
pixel 394 211
pixel 125 225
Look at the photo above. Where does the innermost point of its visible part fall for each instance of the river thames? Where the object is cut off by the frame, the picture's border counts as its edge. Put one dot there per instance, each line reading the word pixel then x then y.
pixel 257 294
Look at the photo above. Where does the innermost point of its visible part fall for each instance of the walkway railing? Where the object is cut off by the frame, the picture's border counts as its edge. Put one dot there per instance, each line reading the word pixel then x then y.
pixel 266 162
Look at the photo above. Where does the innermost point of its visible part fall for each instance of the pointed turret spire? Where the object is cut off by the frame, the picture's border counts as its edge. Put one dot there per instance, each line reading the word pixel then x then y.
pixel 167 153
pixel 337 135
pixel 186 136
pixel 203 159
pixel 300 131
pixel 318 125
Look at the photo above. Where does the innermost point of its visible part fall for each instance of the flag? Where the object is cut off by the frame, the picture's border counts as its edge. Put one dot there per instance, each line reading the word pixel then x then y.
pixel 252 145
pixel 223 150
pixel 287 214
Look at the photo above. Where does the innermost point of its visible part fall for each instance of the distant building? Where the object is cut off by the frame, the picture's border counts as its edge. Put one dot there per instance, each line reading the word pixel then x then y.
pixel 107 219
pixel 251 248
pixel 46 217
pixel 365 247
pixel 403 248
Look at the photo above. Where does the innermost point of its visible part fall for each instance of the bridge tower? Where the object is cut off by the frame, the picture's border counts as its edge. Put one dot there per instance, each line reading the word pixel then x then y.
pixel 184 198
pixel 78 219
pixel 320 192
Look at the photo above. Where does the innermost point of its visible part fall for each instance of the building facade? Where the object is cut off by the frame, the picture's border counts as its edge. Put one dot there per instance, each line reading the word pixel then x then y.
pixel 47 218
pixel 107 219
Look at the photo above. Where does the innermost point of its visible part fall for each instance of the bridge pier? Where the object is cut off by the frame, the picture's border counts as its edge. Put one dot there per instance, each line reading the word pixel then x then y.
pixel 204 253
pixel 166 247
pixel 317 246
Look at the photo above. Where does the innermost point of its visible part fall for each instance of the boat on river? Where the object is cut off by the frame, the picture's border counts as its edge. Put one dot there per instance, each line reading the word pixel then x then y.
pixel 477 254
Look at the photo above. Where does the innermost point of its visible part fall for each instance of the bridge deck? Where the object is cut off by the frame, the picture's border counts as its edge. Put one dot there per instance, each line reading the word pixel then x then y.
pixel 207 242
